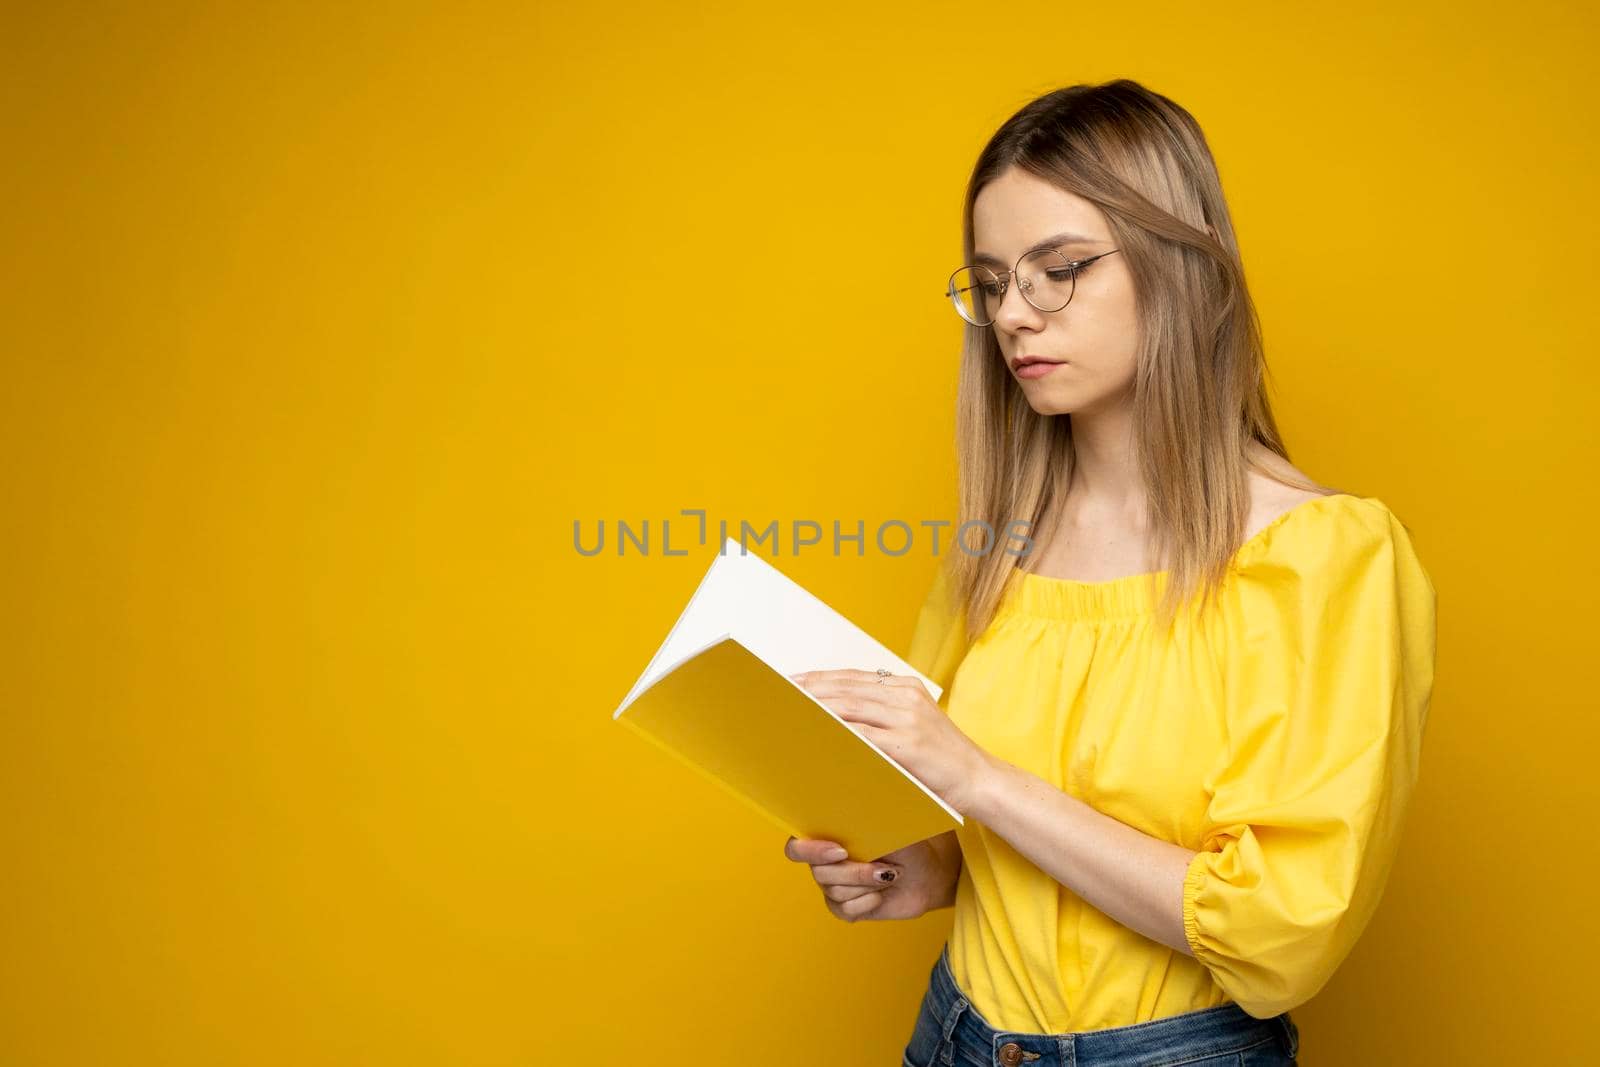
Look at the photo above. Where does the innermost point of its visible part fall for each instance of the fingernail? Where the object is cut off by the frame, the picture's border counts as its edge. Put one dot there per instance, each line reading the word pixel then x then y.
pixel 834 855
pixel 886 876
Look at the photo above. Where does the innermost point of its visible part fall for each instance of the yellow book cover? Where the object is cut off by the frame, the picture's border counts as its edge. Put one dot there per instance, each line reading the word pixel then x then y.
pixel 717 696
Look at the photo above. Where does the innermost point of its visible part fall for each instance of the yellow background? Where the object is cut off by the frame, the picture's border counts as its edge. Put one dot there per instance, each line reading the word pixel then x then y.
pixel 323 324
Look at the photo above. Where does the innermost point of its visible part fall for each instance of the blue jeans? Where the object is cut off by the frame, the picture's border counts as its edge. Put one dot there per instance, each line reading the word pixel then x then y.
pixel 950 1033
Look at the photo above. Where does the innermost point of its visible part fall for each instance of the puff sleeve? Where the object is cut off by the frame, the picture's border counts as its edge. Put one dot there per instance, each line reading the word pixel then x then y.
pixel 938 643
pixel 1329 683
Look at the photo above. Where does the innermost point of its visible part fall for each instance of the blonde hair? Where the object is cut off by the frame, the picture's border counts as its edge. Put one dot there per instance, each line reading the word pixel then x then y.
pixel 1199 395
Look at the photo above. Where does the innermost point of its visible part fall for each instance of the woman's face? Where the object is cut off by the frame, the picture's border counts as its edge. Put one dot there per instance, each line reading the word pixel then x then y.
pixel 1093 340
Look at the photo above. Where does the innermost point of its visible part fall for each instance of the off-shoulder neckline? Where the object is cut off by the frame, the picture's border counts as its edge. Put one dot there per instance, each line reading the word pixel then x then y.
pixel 1248 547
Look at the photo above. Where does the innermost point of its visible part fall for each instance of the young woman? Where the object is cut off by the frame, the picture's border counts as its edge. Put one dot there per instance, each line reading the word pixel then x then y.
pixel 1183 787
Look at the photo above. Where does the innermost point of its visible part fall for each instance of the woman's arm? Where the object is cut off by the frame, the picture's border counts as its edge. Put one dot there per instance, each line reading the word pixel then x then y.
pixel 1132 877
pixel 947 849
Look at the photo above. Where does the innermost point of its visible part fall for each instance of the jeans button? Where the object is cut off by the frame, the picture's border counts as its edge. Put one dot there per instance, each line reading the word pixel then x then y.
pixel 1010 1054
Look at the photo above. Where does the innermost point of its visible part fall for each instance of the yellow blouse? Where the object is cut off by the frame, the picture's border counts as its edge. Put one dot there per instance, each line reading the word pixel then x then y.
pixel 1279 738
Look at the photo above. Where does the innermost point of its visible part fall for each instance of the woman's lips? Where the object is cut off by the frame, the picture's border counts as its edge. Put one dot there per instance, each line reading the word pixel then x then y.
pixel 1037 369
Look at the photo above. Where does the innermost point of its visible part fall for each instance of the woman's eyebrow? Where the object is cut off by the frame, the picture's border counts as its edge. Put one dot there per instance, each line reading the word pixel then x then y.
pixel 1057 241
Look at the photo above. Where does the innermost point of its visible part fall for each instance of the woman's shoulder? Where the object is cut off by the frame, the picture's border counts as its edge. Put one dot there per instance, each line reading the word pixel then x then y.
pixel 1303 533
pixel 1333 584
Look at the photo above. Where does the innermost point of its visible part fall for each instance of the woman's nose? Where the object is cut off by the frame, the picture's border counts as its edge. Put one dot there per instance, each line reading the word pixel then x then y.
pixel 1009 310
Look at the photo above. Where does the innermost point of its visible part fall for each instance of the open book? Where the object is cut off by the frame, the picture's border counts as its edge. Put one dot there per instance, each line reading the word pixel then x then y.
pixel 717 696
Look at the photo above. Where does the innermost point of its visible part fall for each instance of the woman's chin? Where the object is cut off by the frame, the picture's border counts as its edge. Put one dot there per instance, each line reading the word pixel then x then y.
pixel 1047 402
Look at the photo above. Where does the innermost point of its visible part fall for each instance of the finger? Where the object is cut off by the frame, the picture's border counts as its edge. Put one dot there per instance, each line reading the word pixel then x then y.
pixel 896 696
pixel 851 910
pixel 814 850
pixel 859 711
pixel 841 893
pixel 859 677
pixel 876 875
pixel 850 677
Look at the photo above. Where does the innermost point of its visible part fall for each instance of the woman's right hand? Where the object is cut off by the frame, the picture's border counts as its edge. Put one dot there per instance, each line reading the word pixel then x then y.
pixel 853 890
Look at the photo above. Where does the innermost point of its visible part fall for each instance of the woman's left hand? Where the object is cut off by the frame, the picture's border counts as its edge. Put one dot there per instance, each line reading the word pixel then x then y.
pixel 901 718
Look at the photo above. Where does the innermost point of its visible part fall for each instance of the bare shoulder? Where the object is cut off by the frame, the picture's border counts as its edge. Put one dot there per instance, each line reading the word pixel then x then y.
pixel 1270 497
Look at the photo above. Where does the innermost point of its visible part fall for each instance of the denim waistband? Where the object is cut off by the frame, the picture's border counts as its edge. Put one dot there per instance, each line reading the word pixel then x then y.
pixel 1176 1038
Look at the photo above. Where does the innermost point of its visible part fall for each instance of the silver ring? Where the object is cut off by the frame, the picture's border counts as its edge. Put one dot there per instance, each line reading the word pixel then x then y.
pixel 883 672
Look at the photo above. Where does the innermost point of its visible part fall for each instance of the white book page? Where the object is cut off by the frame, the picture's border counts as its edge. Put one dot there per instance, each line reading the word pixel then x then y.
pixel 712 611
pixel 793 631
pixel 775 618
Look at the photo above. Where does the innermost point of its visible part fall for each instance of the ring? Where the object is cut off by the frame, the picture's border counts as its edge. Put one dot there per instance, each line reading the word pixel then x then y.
pixel 883 673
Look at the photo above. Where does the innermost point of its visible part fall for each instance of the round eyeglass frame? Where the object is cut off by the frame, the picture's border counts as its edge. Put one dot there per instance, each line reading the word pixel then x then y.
pixel 1003 279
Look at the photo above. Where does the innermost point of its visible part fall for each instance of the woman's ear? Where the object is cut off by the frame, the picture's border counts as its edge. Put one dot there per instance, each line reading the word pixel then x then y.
pixel 1212 230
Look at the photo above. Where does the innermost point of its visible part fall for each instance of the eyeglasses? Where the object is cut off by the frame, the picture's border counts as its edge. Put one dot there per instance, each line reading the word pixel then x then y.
pixel 1046 278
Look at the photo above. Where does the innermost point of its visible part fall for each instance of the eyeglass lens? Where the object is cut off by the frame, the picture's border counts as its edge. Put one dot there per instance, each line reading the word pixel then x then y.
pixel 1045 278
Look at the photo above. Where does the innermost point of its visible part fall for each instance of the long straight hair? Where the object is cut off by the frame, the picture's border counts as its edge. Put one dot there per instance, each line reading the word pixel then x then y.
pixel 1199 396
